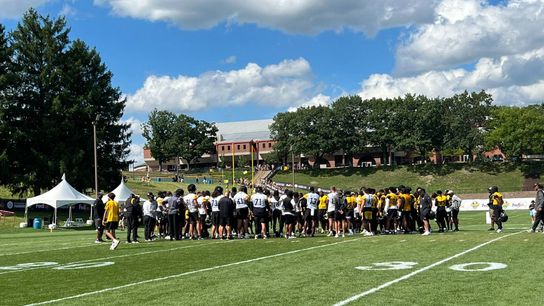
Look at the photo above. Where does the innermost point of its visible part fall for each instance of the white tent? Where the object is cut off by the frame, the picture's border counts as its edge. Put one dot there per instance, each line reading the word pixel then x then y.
pixel 61 195
pixel 122 193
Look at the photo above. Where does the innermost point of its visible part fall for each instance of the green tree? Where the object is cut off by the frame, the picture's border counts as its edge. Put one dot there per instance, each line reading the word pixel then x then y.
pixel 59 88
pixel 468 113
pixel 159 133
pixel 516 130
pixel 193 138
pixel 6 78
pixel 351 124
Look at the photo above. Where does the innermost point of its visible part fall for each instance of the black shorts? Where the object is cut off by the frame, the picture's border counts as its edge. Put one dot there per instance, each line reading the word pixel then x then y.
pixel 393 214
pixel 112 225
pixel 322 214
pixel 202 218
pixel 289 219
pixel 215 218
pixel 98 224
pixel 455 213
pixel 193 216
pixel 308 215
pixel 298 217
pixel 406 214
pixel 261 219
pixel 424 214
pixel 339 216
pixel 242 213
pixel 224 221
pixel 350 213
pixel 330 214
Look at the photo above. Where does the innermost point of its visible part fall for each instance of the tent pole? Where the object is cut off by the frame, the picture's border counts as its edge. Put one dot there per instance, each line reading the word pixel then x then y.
pixel 26 215
pixel 55 216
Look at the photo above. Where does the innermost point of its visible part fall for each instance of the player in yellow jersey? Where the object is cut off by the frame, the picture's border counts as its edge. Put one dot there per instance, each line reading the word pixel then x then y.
pixel 381 218
pixel 111 219
pixel 391 207
pixel 322 209
pixel 498 201
pixel 441 202
pixel 405 206
pixel 351 203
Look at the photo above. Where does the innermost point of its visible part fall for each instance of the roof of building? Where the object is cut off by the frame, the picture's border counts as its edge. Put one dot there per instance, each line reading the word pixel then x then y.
pixel 244 130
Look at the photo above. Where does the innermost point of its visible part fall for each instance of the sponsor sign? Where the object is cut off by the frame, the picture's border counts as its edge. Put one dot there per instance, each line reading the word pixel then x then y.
pixel 481 204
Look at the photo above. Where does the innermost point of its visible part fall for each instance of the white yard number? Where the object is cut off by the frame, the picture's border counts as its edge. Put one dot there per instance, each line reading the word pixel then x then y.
pixel 56 266
pixel 488 266
pixel 392 265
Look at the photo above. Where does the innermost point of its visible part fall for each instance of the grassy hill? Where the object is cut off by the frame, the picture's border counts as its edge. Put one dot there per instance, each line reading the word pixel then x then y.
pixel 461 178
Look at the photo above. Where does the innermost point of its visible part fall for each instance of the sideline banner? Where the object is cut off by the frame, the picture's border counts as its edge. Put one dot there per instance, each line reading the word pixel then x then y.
pixel 509 204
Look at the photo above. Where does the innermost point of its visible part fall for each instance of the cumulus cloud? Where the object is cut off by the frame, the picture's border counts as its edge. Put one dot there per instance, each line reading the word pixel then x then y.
pixel 319 100
pixel 516 79
pixel 135 126
pixel 287 83
pixel 301 16
pixel 466 30
pixel 14 9
pixel 136 154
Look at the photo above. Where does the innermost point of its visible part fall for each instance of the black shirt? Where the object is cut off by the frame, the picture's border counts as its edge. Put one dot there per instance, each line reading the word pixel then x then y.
pixel 226 207
pixel 99 208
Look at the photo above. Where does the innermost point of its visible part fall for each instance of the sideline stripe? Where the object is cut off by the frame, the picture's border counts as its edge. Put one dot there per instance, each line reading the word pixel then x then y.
pixel 191 272
pixel 409 275
pixel 116 256
pixel 51 250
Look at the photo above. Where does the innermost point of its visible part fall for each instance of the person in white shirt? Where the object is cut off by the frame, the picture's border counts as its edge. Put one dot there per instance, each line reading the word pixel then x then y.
pixel 242 212
pixel 274 202
pixel 214 202
pixel 203 200
pixel 260 211
pixel 332 201
pixel 310 215
pixel 192 206
pixel 149 208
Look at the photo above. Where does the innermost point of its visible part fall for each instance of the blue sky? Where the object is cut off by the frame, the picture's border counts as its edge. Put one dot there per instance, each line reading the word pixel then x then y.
pixel 243 60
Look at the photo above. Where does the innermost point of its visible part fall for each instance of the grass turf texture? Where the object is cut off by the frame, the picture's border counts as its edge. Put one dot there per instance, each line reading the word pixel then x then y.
pixel 306 271
pixel 459 178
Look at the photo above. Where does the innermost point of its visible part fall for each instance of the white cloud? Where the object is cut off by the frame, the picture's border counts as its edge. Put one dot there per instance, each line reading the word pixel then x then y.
pixel 230 60
pixel 135 126
pixel 516 79
pixel 319 100
pixel 466 30
pixel 301 16
pixel 136 154
pixel 287 83
pixel 11 9
pixel 68 10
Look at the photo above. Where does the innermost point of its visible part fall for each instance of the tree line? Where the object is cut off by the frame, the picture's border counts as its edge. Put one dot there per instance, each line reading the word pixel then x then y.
pixel 466 123
pixel 52 89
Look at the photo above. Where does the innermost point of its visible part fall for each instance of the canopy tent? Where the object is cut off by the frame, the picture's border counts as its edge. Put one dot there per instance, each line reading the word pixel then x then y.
pixel 122 193
pixel 61 195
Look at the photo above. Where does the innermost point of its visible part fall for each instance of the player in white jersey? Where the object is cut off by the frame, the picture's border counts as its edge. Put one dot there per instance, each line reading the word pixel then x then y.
pixel 274 202
pixel 192 207
pixel 214 203
pixel 331 208
pixel 310 214
pixel 260 211
pixel 203 200
pixel 242 211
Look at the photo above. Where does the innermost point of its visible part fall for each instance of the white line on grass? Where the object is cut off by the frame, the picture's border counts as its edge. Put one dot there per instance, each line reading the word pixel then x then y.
pixel 409 275
pixel 116 256
pixel 190 273
pixel 50 250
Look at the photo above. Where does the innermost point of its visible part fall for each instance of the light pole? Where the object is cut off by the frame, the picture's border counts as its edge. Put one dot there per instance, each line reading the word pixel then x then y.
pixel 293 165
pixel 95 122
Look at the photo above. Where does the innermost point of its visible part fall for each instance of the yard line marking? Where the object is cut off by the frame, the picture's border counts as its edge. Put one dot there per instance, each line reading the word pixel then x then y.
pixel 190 273
pixel 409 275
pixel 116 256
pixel 49 250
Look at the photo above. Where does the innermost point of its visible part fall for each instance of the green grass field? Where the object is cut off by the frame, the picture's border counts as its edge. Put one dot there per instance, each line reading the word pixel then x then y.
pixel 66 267
pixel 460 179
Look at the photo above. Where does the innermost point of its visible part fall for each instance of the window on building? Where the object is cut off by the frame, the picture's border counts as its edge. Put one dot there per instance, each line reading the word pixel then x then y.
pixel 228 148
pixel 222 148
pixel 270 145
pixel 244 147
pixel 264 145
pixel 238 147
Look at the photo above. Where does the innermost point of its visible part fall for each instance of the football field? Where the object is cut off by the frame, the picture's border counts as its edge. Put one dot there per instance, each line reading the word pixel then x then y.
pixel 471 267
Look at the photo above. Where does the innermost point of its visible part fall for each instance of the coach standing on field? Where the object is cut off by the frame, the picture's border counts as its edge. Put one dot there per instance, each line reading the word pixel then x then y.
pixel 98 207
pixel 539 206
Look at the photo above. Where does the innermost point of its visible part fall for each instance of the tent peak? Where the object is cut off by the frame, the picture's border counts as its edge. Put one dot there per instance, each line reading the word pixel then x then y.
pixel 64 176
